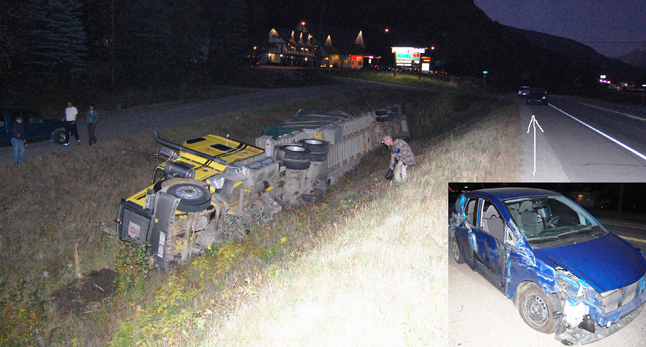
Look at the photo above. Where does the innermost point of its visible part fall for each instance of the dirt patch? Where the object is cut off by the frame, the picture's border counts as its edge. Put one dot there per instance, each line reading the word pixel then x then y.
pixel 86 295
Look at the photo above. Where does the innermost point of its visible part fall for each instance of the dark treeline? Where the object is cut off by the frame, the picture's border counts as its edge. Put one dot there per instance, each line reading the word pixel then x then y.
pixel 130 42
pixel 54 43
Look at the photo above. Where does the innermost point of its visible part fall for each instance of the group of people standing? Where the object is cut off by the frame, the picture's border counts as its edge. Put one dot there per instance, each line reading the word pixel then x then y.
pixel 71 116
pixel 18 140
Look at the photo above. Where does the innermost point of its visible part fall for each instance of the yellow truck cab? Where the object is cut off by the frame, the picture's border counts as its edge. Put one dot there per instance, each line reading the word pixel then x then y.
pixel 196 183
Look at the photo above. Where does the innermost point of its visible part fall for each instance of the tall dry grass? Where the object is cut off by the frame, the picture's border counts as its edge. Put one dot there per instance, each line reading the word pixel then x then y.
pixel 383 279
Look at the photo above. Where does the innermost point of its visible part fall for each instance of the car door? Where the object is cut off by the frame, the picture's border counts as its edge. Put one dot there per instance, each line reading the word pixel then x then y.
pixel 5 128
pixel 465 221
pixel 35 126
pixel 490 253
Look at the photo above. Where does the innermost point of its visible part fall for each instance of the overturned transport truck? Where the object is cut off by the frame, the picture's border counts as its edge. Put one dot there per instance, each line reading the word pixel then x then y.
pixel 200 182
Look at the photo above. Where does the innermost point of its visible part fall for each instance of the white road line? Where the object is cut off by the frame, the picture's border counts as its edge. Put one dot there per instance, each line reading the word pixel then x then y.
pixel 601 133
pixel 621 113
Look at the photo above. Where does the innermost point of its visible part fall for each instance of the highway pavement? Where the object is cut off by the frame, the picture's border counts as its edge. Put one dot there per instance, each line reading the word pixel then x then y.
pixel 583 140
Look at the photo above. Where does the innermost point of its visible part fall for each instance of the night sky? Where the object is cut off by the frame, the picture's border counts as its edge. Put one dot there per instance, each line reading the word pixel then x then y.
pixel 580 20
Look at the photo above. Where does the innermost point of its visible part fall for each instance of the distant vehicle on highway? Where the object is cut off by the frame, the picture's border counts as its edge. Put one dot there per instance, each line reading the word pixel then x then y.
pixel 37 128
pixel 523 91
pixel 566 273
pixel 537 96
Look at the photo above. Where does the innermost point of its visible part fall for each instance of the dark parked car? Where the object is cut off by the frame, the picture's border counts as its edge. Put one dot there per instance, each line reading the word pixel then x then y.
pixel 37 128
pixel 566 273
pixel 537 96
pixel 523 91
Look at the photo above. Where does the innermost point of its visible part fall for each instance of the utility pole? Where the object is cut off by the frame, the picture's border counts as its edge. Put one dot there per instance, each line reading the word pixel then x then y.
pixel 112 41
pixel 321 23
pixel 321 42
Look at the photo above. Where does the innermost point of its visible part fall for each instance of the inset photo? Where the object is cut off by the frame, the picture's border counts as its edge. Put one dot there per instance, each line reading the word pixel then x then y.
pixel 547 264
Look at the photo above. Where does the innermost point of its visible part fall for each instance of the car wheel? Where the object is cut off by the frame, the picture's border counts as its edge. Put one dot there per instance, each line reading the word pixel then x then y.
pixel 59 137
pixel 536 308
pixel 455 250
pixel 193 198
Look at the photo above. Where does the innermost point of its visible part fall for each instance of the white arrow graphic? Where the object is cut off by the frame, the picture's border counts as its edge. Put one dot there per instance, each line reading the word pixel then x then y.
pixel 534 122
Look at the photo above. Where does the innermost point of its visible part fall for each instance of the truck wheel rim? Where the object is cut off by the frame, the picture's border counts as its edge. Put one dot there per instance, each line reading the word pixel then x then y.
pixel 189 193
pixel 295 148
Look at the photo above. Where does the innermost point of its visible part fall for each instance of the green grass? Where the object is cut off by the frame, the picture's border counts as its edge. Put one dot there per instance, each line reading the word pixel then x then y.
pixel 55 202
pixel 408 79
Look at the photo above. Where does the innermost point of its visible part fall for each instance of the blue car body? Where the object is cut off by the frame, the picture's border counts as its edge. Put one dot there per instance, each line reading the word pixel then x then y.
pixel 593 275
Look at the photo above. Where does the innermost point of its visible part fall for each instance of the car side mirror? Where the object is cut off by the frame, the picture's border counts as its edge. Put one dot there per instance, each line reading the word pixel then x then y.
pixel 510 237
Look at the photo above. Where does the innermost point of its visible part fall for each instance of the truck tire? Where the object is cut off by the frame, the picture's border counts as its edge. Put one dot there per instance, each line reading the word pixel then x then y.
pixel 296 157
pixel 318 149
pixel 296 164
pixel 193 198
pixel 297 152
pixel 59 136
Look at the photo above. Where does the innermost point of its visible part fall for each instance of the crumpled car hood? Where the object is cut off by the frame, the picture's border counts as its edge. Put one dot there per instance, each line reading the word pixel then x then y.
pixel 605 263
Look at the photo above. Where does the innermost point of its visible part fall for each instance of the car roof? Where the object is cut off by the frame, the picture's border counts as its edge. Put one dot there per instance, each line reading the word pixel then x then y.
pixel 505 193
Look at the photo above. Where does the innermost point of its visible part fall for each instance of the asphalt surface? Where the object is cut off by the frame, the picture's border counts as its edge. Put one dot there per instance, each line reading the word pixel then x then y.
pixel 609 147
pixel 134 122
pixel 634 233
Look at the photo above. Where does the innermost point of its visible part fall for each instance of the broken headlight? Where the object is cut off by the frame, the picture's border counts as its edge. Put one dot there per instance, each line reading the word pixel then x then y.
pixel 569 283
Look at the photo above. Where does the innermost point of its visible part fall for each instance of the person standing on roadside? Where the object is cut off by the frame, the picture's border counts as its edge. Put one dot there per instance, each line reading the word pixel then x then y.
pixel 71 115
pixel 401 151
pixel 18 139
pixel 92 118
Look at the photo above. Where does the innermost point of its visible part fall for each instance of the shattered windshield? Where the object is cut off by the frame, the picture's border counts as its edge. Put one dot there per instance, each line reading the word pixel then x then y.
pixel 549 217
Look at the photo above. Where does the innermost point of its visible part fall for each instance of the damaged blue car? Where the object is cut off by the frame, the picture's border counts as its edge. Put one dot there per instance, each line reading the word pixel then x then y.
pixel 566 273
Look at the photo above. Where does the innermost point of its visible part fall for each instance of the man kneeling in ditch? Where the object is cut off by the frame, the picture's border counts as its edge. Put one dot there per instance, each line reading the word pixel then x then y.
pixel 401 156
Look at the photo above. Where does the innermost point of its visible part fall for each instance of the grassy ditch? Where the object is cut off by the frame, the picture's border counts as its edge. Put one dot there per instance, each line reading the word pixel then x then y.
pixel 381 279
pixel 405 78
pixel 55 203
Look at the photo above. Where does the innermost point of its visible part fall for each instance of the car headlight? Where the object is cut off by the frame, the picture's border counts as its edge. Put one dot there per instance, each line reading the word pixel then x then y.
pixel 570 284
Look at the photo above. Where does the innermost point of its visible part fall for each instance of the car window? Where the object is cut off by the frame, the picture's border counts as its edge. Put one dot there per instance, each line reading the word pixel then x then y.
pixel 491 222
pixel 471 211
pixel 32 117
pixel 548 216
pixel 14 115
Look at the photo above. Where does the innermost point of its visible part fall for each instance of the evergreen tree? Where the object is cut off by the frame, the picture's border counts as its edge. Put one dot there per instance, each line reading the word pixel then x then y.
pixel 158 40
pixel 228 36
pixel 13 18
pixel 57 39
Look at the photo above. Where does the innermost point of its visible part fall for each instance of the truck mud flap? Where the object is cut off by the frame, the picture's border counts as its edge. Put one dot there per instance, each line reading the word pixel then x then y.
pixel 162 229
pixel 133 222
